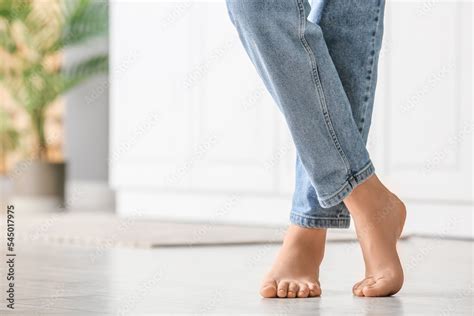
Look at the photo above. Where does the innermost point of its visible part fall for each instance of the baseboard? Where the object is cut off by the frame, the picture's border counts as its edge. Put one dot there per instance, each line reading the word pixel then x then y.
pixel 440 220
pixel 89 195
pixel 447 220
pixel 79 195
pixel 204 207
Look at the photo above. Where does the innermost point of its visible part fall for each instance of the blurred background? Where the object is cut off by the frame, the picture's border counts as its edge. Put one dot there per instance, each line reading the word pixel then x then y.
pixel 152 109
pixel 54 129
pixel 133 133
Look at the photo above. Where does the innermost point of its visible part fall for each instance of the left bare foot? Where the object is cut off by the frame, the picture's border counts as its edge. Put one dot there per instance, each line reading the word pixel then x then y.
pixel 379 216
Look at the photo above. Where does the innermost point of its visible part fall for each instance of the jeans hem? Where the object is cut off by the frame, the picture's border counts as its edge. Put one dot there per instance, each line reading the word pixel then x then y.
pixel 348 186
pixel 319 222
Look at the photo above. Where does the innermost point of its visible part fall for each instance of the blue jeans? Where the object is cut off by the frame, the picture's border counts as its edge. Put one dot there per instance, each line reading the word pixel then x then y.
pixel 319 63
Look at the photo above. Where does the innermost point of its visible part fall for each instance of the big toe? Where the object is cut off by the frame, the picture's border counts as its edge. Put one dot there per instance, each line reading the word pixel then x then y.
pixel 314 289
pixel 357 288
pixel 382 287
pixel 269 289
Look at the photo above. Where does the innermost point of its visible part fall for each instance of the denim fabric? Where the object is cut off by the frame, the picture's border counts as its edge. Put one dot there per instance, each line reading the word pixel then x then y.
pixel 353 34
pixel 320 67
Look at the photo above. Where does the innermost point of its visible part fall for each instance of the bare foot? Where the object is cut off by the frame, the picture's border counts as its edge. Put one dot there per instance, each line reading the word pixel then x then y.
pixel 295 272
pixel 379 216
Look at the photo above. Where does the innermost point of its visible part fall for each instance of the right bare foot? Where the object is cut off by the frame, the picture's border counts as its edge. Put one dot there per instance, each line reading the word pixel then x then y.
pixel 295 272
pixel 379 216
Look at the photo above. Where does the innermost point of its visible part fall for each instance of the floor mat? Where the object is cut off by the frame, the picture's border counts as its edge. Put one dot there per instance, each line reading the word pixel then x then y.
pixel 109 230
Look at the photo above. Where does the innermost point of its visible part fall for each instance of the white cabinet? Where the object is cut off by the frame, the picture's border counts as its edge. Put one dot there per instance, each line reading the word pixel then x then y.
pixel 422 137
pixel 195 136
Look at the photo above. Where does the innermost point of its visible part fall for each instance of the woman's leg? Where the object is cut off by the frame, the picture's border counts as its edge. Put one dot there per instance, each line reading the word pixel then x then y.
pixel 353 32
pixel 292 58
pixel 348 26
pixel 356 27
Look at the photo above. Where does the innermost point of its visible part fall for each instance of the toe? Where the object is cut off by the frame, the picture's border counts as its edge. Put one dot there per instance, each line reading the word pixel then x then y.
pixel 292 289
pixel 282 288
pixel 381 287
pixel 314 289
pixel 303 290
pixel 357 290
pixel 269 289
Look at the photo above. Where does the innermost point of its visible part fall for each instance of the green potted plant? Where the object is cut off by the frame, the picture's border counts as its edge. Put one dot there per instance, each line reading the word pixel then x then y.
pixel 9 139
pixel 33 37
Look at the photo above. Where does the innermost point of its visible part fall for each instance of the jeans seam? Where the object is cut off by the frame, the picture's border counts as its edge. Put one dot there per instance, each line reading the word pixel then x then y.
pixel 316 217
pixel 371 66
pixel 317 83
pixel 357 178
pixel 360 172
pixel 322 222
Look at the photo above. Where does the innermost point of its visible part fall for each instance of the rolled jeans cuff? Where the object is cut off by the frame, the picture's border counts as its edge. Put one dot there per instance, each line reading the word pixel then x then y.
pixel 319 222
pixel 349 185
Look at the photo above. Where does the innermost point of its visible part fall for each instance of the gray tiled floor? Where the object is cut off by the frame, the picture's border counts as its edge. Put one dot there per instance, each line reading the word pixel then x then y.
pixel 62 280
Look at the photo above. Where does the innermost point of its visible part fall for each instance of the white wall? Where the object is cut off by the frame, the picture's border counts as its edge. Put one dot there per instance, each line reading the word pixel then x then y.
pixel 194 135
pixel 87 135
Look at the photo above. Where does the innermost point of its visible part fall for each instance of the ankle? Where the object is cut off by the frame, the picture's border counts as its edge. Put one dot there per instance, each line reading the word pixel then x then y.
pixel 368 196
pixel 303 234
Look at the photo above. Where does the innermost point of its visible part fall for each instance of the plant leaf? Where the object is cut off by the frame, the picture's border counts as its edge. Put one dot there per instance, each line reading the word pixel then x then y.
pixel 82 71
pixel 83 20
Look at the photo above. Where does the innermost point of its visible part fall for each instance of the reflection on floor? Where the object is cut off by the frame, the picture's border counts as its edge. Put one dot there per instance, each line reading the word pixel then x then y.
pixel 64 280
